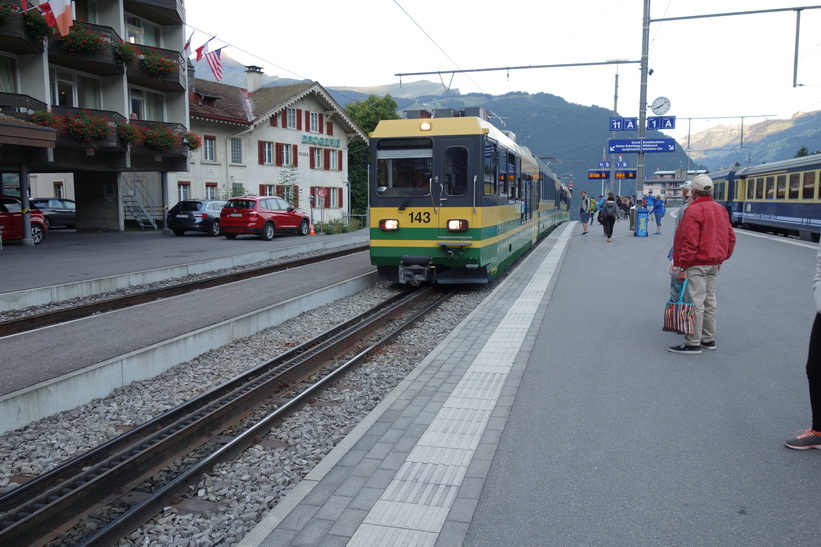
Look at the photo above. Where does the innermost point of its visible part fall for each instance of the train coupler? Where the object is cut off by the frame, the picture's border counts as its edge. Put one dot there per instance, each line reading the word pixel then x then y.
pixel 416 270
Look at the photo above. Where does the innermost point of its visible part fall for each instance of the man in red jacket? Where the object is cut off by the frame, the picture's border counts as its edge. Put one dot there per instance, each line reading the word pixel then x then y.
pixel 704 239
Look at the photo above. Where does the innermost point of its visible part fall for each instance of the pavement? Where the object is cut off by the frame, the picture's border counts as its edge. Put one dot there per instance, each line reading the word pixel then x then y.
pixel 554 415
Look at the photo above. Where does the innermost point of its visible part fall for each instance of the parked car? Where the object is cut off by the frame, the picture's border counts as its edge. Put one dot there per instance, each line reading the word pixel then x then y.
pixel 195 215
pixel 11 219
pixel 262 215
pixel 58 211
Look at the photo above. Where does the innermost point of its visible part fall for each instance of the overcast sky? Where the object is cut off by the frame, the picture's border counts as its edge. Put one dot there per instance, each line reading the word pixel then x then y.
pixel 728 66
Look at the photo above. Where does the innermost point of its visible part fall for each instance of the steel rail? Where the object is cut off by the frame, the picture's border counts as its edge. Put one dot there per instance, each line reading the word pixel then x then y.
pixel 146 509
pixel 70 468
pixel 32 322
pixel 57 500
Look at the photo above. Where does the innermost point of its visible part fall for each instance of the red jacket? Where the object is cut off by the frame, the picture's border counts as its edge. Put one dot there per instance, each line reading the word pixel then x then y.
pixel 704 236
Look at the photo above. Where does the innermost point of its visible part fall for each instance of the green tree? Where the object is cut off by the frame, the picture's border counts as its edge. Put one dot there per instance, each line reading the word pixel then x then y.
pixel 367 114
pixel 802 152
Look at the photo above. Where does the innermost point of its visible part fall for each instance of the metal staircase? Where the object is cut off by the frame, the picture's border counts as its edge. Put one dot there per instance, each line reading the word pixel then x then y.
pixel 137 201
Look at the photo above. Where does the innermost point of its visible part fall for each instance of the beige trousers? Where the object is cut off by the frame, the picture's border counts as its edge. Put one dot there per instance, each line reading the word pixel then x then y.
pixel 701 290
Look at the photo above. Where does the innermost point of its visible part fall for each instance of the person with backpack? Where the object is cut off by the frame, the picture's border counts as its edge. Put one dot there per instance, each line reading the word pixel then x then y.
pixel 610 214
pixel 586 210
pixel 658 210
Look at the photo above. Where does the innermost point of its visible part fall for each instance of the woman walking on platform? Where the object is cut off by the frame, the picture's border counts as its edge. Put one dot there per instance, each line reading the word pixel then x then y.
pixel 610 214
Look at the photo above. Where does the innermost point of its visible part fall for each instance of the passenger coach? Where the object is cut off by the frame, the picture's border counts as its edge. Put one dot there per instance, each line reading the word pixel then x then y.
pixel 453 199
pixel 781 196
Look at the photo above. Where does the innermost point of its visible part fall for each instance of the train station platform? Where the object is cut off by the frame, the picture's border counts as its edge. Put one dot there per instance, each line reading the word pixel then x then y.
pixel 70 264
pixel 554 415
pixel 49 370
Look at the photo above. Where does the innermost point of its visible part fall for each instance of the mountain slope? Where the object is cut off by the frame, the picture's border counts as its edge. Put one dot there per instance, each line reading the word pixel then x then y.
pixel 770 140
pixel 574 134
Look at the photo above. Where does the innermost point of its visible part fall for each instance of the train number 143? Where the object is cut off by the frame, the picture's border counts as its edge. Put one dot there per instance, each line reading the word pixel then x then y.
pixel 422 218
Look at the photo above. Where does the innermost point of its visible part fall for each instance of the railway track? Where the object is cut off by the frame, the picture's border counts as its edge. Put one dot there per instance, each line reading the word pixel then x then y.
pixel 32 322
pixel 39 510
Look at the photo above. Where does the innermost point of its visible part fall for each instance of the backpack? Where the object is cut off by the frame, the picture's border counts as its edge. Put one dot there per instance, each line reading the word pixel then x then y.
pixel 592 204
pixel 609 209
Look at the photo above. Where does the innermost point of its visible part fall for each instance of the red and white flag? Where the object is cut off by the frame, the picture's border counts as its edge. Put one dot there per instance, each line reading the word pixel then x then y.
pixel 215 62
pixel 201 51
pixel 186 49
pixel 57 13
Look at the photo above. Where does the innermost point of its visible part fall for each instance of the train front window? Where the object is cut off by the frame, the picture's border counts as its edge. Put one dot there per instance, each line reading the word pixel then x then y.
pixel 456 171
pixel 404 167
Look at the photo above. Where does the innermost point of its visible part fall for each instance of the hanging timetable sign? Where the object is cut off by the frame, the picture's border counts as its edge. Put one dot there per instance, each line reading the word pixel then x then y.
pixel 598 174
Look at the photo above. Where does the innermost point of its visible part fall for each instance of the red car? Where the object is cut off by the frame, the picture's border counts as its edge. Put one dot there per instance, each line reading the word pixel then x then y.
pixel 11 219
pixel 263 216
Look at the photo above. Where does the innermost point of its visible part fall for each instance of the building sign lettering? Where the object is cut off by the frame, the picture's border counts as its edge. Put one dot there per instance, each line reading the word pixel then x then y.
pixel 320 141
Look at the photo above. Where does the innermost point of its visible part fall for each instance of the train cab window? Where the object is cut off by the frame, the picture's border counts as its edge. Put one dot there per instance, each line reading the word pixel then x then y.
pixel 404 167
pixel 781 187
pixel 795 184
pixel 513 181
pixel 503 173
pixel 808 191
pixel 490 172
pixel 456 171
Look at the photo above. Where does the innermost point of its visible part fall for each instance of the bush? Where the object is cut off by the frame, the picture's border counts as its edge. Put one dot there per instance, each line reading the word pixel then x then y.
pixel 125 54
pixel 36 26
pixel 5 14
pixel 161 138
pixel 131 134
pixel 156 65
pixel 85 127
pixel 80 39
pixel 46 118
pixel 191 141
pixel 338 226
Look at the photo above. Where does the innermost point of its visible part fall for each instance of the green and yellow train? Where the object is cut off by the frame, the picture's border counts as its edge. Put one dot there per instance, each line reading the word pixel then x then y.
pixel 454 199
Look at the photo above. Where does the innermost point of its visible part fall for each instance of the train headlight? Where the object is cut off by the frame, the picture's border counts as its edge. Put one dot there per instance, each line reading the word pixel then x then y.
pixel 457 225
pixel 389 224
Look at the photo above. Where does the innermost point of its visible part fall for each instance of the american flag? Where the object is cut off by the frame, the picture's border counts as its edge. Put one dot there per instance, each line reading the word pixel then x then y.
pixel 215 62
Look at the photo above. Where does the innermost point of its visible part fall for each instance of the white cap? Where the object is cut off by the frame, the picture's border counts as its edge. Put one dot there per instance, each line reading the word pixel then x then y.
pixel 702 183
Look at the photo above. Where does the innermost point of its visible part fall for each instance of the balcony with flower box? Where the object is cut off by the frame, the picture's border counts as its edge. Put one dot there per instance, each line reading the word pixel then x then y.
pixel 163 12
pixel 84 129
pixel 158 69
pixel 88 48
pixel 161 147
pixel 20 106
pixel 15 37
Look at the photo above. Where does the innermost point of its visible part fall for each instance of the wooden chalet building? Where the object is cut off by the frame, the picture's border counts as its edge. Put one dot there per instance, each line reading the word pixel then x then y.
pixel 289 141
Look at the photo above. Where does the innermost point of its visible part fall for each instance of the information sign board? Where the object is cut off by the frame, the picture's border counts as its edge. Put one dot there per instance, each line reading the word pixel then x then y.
pixel 634 146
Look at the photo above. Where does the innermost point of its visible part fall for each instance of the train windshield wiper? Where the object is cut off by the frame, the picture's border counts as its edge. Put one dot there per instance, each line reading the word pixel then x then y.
pixel 413 192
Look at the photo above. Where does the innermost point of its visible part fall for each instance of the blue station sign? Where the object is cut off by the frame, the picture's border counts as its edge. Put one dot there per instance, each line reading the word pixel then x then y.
pixel 634 146
pixel 660 123
pixel 624 124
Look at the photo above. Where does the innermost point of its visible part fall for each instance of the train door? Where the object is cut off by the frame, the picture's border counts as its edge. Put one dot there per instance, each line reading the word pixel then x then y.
pixel 454 187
